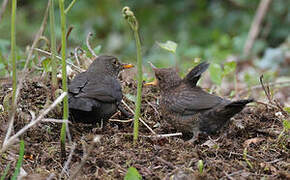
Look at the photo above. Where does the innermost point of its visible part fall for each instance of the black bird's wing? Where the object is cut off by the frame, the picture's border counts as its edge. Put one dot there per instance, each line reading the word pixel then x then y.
pixel 83 104
pixel 194 75
pixel 78 83
pixel 189 102
pixel 101 87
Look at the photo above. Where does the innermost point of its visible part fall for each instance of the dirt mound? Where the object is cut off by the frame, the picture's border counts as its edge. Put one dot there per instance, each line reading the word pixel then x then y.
pixel 250 148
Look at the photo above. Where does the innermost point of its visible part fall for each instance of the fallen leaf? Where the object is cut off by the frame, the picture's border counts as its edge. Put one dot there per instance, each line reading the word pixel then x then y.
pixel 253 140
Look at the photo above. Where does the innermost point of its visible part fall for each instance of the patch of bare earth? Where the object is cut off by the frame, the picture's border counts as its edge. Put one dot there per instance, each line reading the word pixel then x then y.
pixel 248 148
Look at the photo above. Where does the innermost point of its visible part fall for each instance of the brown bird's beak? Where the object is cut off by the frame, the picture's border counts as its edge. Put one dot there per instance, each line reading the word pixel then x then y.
pixel 152 66
pixel 127 66
pixel 154 83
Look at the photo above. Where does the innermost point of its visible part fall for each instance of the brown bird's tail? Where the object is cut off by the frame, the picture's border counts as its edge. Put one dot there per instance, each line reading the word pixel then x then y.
pixel 234 107
pixel 214 119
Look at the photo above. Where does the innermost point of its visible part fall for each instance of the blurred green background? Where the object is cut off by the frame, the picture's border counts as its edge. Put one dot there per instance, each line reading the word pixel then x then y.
pixel 213 30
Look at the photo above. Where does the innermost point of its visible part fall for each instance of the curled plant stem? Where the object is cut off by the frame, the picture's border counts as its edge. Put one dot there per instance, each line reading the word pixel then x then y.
pixel 70 6
pixel 89 46
pixel 132 21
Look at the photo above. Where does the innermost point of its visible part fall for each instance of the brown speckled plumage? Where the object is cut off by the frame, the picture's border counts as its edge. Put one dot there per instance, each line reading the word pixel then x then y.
pixel 190 109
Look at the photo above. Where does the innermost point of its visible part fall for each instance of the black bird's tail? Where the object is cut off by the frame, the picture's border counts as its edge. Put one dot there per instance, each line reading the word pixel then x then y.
pixel 214 119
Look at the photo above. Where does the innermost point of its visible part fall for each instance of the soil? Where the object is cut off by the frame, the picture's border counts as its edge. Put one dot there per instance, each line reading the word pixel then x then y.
pixel 249 148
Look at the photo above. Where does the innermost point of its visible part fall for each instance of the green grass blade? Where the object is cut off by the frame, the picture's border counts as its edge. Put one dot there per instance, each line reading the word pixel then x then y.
pixel 19 162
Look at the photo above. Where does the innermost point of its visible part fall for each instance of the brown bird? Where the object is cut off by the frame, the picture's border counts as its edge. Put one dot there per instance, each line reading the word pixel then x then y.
pixel 96 94
pixel 190 109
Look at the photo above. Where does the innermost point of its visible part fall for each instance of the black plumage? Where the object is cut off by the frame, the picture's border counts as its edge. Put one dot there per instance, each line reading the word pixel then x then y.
pixel 95 95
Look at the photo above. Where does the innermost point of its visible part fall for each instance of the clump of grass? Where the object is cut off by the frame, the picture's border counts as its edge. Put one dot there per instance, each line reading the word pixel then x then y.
pixel 132 21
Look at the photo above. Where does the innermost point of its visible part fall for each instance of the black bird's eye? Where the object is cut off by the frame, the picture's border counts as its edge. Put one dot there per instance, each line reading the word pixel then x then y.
pixel 115 61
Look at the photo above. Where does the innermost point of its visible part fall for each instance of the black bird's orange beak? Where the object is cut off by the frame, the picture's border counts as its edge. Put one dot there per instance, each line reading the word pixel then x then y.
pixel 127 66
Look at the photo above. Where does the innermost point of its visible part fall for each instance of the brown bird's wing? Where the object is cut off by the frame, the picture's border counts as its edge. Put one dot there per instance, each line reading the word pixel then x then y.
pixel 101 87
pixel 190 101
pixel 194 75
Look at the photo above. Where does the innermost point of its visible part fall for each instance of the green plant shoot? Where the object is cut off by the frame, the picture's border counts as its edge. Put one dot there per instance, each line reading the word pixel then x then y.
pixel 53 47
pixel 19 162
pixel 132 174
pixel 64 78
pixel 132 21
pixel 13 49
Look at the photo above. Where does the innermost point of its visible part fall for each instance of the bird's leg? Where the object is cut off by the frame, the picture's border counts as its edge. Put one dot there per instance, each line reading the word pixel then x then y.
pixel 123 110
pixel 196 133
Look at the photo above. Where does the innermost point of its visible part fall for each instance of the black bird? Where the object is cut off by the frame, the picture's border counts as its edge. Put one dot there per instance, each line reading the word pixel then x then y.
pixel 190 109
pixel 96 94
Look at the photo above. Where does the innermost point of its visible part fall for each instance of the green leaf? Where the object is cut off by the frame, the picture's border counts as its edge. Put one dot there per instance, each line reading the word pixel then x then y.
pixel 287 109
pixel 132 174
pixel 168 45
pixel 286 124
pixel 131 97
pixel 46 63
pixel 97 49
pixel 19 162
pixel 216 73
pixel 229 67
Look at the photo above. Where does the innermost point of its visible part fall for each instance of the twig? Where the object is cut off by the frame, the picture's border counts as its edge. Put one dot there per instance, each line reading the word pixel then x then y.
pixel 152 106
pixel 164 135
pixel 68 132
pixel 256 25
pixel 24 74
pixel 51 176
pixel 122 121
pixel 85 157
pixel 155 136
pixel 55 120
pixel 229 175
pixel 32 123
pixel 169 164
pixel 266 104
pixel 66 38
pixel 3 8
pixel 89 46
pixel 266 89
pixel 49 54
pixel 269 84
pixel 251 157
pixel 139 118
pixel 65 167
